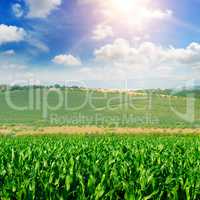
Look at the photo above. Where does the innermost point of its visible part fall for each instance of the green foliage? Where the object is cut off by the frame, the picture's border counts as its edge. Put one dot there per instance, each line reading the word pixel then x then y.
pixel 91 167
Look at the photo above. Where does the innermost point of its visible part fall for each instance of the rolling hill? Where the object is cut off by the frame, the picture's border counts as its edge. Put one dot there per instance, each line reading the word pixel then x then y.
pixel 75 106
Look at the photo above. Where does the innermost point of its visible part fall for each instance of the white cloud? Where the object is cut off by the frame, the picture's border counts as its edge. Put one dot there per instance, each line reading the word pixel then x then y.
pixel 17 10
pixel 10 52
pixel 137 16
pixel 141 8
pixel 122 60
pixel 120 48
pixel 9 71
pixel 148 54
pixel 11 34
pixel 42 8
pixel 102 31
pixel 33 41
pixel 160 14
pixel 12 67
pixel 68 60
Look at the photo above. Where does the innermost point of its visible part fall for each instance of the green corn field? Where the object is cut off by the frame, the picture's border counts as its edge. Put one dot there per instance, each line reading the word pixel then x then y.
pixel 100 167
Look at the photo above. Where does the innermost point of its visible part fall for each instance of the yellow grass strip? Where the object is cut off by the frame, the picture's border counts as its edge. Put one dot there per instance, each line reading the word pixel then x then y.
pixel 28 130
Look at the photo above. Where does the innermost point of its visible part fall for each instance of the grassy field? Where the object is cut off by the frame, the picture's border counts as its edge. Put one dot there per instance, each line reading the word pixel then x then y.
pixel 98 145
pixel 109 167
pixel 96 108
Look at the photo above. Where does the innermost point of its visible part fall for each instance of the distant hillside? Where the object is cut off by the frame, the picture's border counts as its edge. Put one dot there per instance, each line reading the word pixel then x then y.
pixel 81 107
pixel 172 92
pixel 175 92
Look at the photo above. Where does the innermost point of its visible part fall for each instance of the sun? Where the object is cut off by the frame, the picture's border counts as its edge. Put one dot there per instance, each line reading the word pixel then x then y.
pixel 124 6
pixel 132 12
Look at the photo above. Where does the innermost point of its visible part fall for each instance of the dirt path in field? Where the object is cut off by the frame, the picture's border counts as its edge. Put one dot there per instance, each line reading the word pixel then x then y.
pixel 68 130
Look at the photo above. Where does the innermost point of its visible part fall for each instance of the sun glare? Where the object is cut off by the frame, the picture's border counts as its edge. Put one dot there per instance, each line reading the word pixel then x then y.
pixel 134 12
pixel 123 5
pixel 128 6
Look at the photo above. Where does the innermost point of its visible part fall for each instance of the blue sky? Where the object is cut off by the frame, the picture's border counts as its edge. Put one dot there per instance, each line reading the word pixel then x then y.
pixel 146 43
